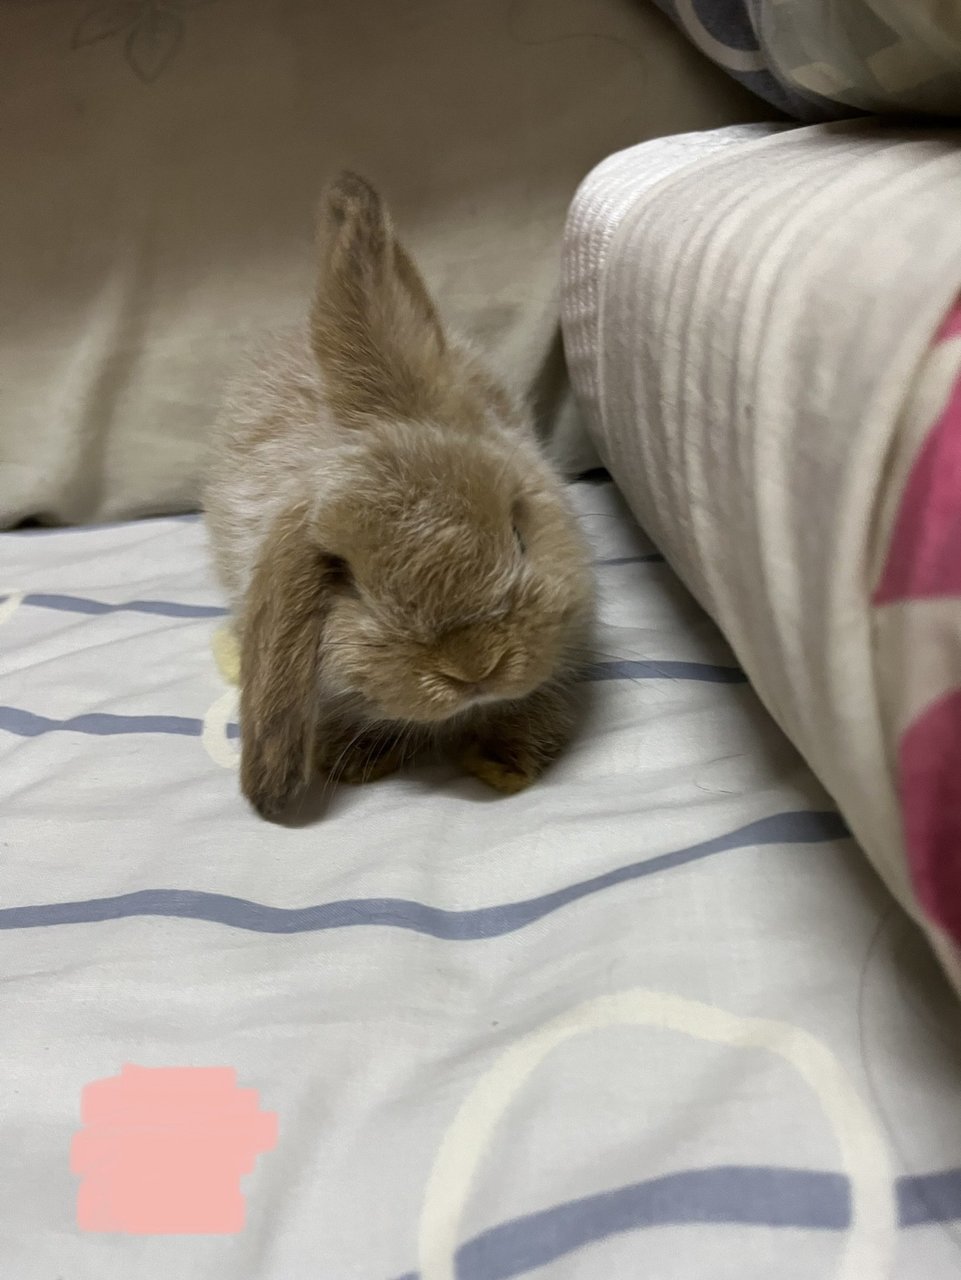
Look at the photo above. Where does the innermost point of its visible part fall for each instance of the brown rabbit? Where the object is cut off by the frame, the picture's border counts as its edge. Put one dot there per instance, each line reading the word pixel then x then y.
pixel 402 563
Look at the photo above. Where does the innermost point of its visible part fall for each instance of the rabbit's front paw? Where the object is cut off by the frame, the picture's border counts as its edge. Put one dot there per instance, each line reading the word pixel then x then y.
pixel 506 766
pixel 513 746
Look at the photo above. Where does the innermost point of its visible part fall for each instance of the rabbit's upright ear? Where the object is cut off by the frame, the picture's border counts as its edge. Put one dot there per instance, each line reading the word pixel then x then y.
pixel 281 636
pixel 374 328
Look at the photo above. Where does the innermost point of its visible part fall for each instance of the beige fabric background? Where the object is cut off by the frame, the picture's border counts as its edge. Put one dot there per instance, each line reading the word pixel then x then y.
pixel 161 160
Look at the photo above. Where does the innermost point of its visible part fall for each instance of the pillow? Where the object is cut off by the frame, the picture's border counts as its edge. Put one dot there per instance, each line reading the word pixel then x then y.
pixel 824 59
pixel 161 164
pixel 757 331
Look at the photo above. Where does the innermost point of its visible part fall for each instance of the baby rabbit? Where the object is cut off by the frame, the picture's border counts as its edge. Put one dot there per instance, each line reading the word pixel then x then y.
pixel 402 564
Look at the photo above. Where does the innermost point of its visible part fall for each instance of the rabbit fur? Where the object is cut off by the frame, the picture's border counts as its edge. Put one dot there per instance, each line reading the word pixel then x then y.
pixel 402 563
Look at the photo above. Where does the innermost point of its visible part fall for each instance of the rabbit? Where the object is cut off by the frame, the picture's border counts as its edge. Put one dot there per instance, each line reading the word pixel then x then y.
pixel 403 567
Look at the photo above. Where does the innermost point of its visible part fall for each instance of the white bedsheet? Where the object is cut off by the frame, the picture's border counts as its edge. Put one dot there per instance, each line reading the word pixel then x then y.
pixel 653 1017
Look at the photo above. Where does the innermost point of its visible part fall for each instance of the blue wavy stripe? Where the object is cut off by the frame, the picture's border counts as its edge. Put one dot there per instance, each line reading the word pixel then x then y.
pixel 472 924
pixel 927 1198
pixel 65 603
pixel 82 604
pixel 747 1195
pixel 30 724
pixel 27 724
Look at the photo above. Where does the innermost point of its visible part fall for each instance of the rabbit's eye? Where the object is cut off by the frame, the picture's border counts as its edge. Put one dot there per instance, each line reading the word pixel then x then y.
pixel 518 519
pixel 339 574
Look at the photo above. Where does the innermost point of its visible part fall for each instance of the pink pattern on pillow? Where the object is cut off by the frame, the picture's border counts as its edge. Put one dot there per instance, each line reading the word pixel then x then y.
pixel 929 769
pixel 951 327
pixel 924 563
pixel 924 558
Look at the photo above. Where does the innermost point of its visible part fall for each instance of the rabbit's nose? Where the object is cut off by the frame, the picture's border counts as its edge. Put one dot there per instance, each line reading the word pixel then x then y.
pixel 471 670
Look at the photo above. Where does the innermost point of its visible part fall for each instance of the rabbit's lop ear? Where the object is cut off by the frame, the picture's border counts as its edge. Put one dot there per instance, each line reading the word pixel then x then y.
pixel 281 636
pixel 374 328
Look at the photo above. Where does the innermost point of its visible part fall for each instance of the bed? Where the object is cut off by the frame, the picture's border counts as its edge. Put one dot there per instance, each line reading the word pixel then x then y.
pixel 655 1016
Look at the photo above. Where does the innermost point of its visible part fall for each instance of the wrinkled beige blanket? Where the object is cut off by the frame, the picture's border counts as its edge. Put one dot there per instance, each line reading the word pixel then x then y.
pixel 160 166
